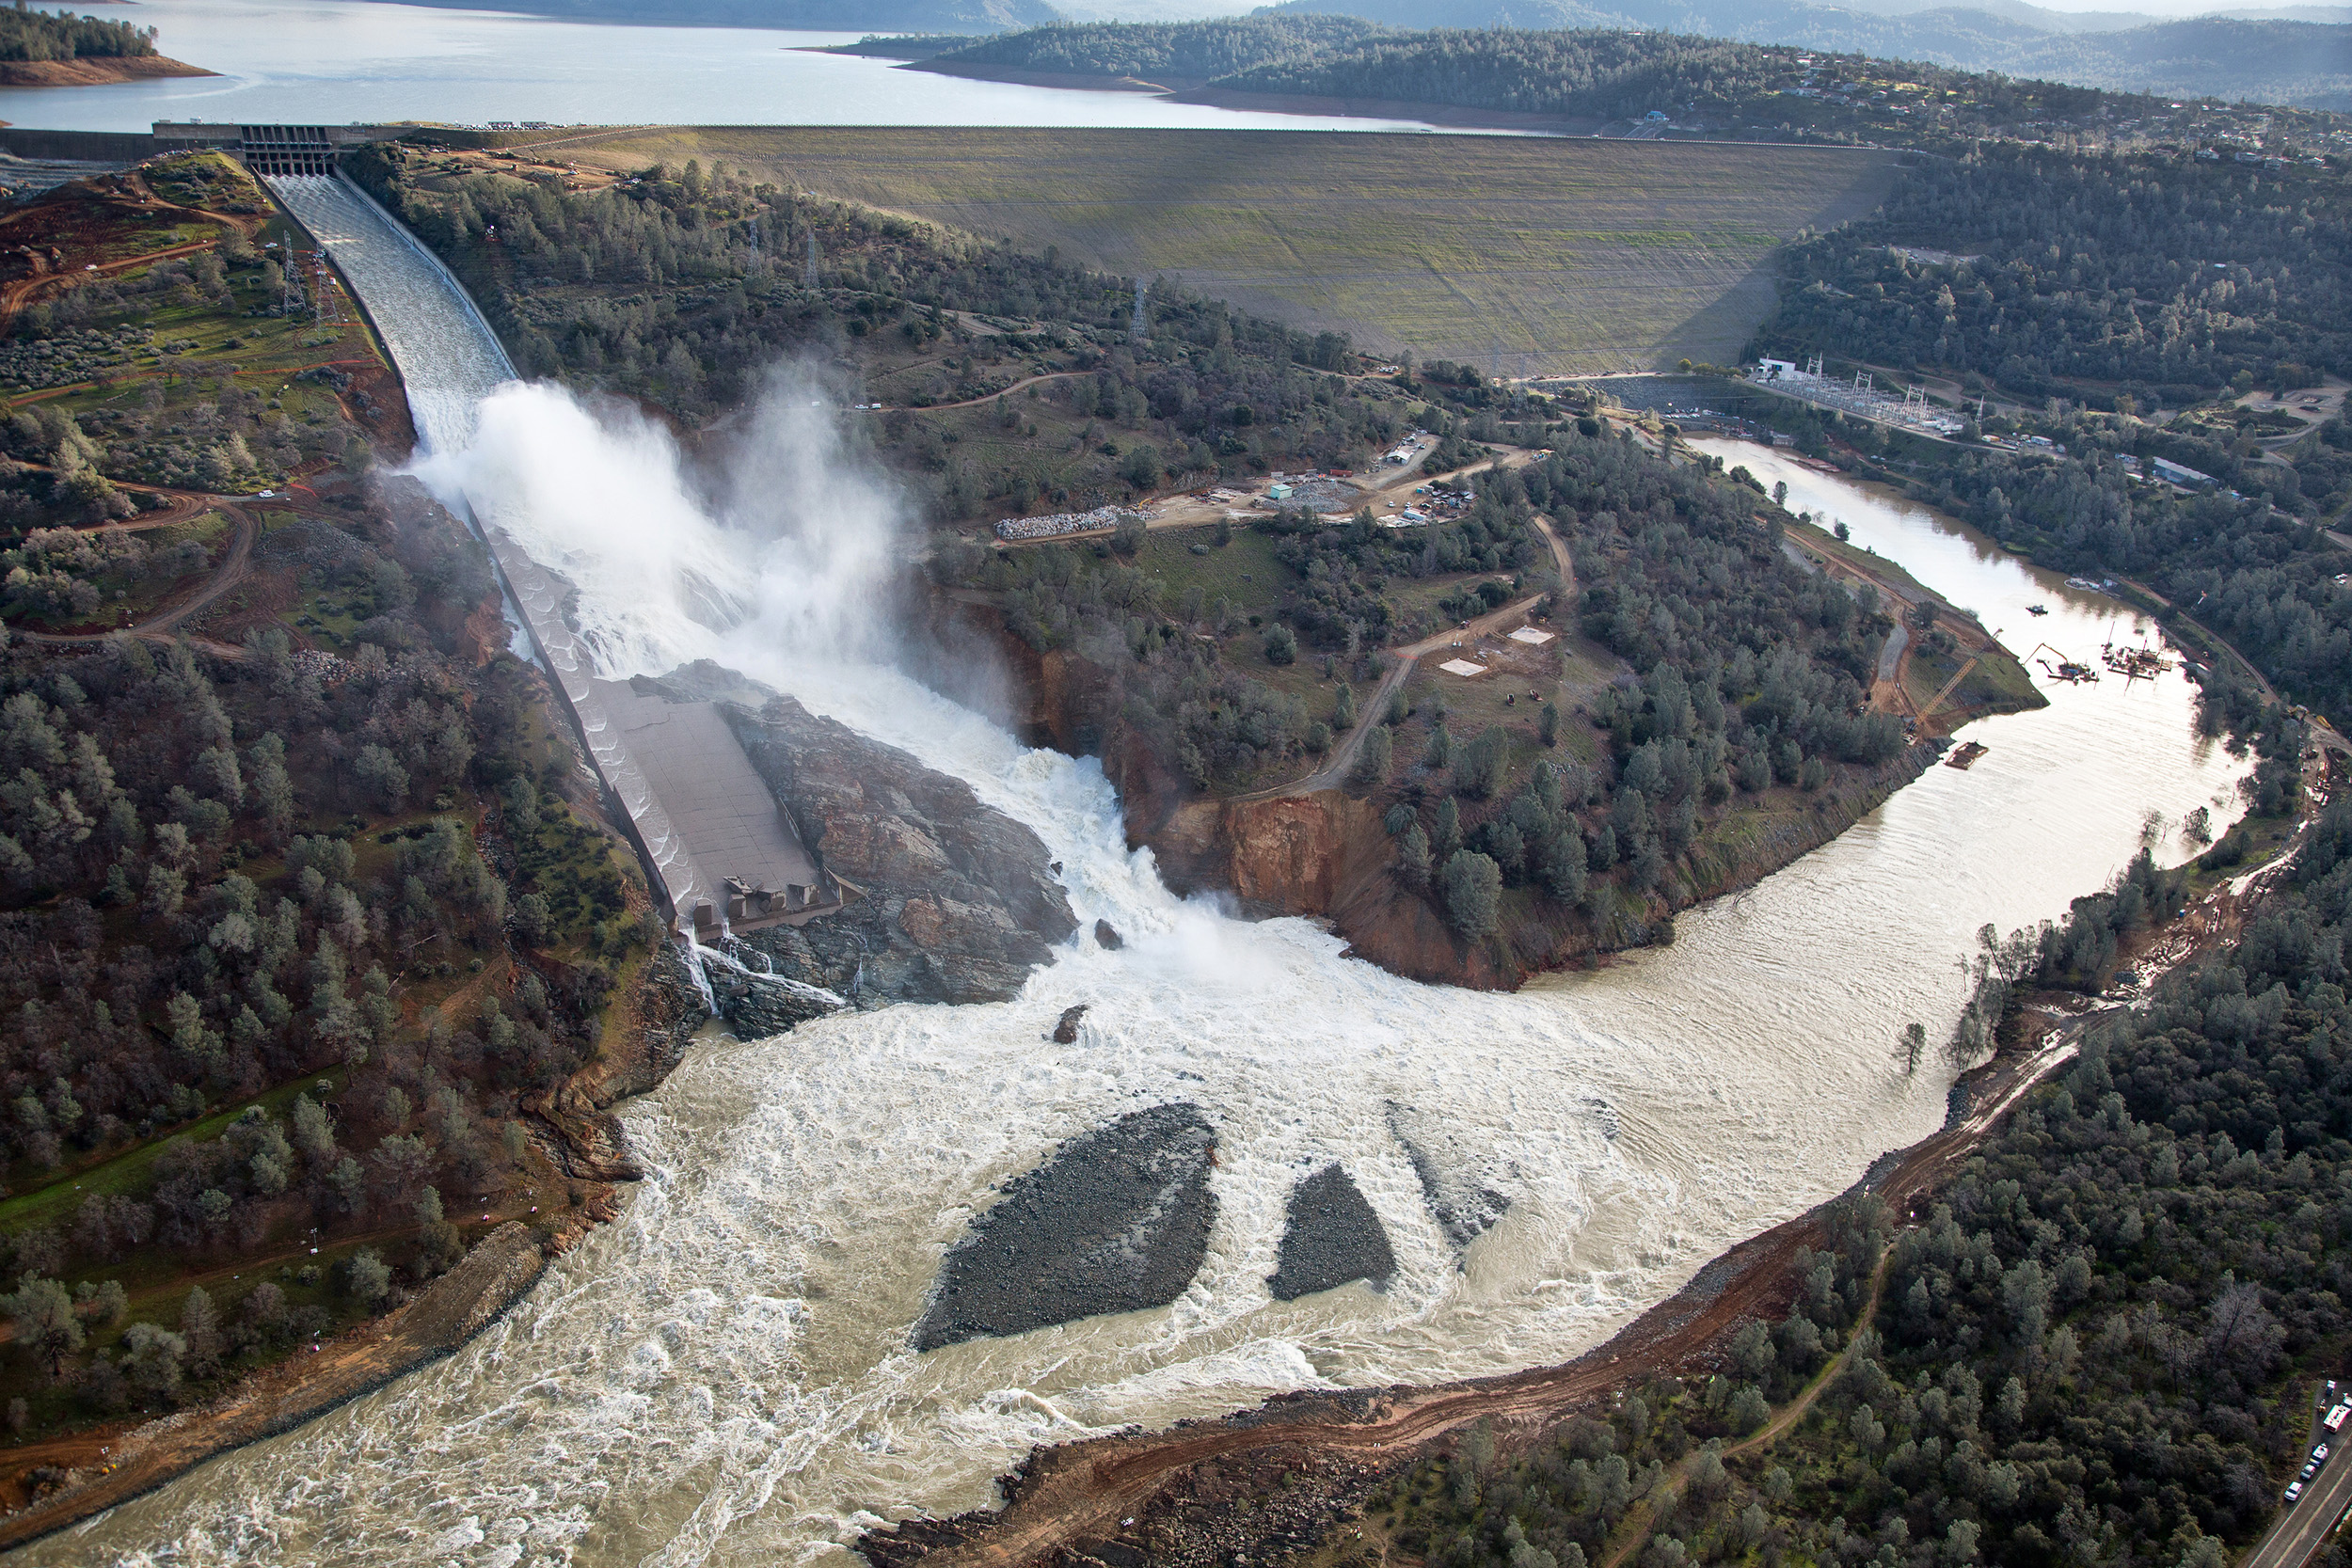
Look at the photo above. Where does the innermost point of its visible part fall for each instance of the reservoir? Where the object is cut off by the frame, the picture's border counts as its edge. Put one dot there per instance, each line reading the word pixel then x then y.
pixel 330 62
pixel 723 1374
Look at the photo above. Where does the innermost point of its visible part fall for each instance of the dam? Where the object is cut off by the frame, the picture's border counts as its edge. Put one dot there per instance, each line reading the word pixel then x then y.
pixel 720 851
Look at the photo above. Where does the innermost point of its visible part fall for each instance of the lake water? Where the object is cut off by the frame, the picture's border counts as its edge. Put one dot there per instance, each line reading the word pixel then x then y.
pixel 331 62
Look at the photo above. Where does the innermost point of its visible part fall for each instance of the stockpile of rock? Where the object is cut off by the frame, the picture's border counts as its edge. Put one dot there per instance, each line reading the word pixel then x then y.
pixel 1059 523
pixel 1117 1220
pixel 1331 1237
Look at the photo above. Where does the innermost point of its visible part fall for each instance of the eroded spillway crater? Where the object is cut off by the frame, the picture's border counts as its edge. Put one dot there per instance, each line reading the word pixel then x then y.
pixel 1331 1237
pixel 1117 1220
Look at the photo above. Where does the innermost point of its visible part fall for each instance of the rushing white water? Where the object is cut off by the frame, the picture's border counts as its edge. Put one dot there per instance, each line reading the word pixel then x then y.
pixel 723 1375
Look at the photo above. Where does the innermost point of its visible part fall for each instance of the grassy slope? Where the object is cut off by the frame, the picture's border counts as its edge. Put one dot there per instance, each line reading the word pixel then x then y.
pixel 1575 255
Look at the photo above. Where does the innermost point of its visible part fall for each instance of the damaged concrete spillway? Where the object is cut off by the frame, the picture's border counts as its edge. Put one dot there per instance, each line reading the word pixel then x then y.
pixel 718 847
pixel 1405 1183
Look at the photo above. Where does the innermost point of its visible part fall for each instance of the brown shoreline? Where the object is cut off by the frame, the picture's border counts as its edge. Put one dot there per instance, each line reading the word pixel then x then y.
pixel 449 1311
pixel 94 71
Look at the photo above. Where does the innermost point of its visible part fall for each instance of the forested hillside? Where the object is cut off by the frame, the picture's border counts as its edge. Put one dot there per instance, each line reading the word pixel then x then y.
pixel 683 288
pixel 1535 832
pixel 2267 60
pixel 1601 67
pixel 297 930
pixel 2092 292
pixel 2163 276
pixel 1190 51
pixel 1608 74
pixel 29 35
pixel 2100 1341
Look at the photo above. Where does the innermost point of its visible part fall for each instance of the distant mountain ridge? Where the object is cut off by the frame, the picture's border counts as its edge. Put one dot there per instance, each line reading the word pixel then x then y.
pixel 2307 64
pixel 968 17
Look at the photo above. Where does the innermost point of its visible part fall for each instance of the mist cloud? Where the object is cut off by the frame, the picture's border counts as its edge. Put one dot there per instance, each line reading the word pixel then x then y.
pixel 777 550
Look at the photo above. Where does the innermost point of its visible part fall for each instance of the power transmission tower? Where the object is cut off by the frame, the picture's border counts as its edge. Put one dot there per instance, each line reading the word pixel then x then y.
pixel 808 270
pixel 1136 326
pixel 328 309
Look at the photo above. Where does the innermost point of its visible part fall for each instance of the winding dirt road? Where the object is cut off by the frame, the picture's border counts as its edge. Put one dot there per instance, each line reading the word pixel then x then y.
pixel 1340 761
pixel 159 627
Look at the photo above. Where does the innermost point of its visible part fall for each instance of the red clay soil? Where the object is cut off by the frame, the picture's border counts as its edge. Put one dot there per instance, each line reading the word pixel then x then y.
pixel 100 223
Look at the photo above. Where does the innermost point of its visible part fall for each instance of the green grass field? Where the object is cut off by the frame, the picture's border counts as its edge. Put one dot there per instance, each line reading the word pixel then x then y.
pixel 1529 255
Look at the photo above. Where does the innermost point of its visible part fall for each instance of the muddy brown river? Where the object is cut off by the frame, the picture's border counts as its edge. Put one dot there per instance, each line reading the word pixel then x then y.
pixel 723 1375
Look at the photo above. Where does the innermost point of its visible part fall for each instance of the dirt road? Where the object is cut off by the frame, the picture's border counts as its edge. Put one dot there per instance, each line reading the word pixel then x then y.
pixel 159 626
pixel 1341 760
pixel 974 402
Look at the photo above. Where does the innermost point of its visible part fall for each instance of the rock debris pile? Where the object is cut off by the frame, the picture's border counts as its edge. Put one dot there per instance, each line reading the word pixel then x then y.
pixel 1331 1237
pixel 1118 1220
pixel 1058 523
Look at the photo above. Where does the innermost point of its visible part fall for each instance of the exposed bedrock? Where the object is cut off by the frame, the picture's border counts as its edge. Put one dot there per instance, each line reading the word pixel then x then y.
pixel 1457 1179
pixel 956 901
pixel 1117 1220
pixel 1330 1236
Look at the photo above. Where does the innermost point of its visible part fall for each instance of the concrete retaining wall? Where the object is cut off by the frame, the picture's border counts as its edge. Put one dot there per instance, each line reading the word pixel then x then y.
pixel 88 147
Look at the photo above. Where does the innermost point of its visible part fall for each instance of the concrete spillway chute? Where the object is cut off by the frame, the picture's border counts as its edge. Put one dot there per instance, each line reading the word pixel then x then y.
pixel 704 822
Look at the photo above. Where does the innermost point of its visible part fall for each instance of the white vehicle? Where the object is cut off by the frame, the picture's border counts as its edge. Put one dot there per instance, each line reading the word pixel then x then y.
pixel 2337 1417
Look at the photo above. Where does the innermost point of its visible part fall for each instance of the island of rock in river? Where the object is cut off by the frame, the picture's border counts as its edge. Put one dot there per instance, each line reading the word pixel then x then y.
pixel 1116 1221
pixel 1330 1236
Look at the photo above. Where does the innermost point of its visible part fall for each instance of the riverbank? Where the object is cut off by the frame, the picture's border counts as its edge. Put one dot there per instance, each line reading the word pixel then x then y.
pixel 1138 1494
pixel 94 71
pixel 95 1471
pixel 1198 1494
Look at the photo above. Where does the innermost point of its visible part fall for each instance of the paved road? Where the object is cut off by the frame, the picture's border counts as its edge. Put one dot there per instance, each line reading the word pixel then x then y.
pixel 2304 1528
pixel 1892 655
